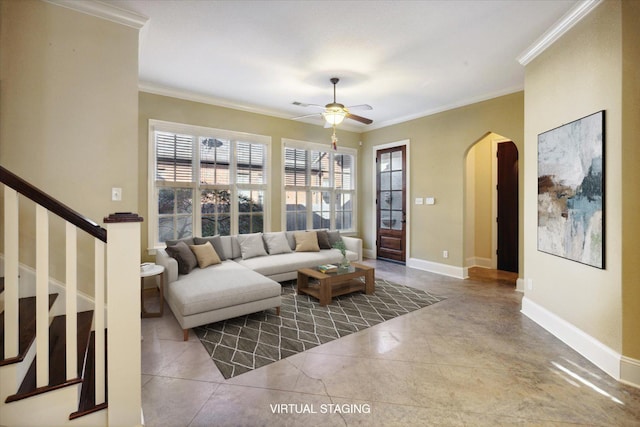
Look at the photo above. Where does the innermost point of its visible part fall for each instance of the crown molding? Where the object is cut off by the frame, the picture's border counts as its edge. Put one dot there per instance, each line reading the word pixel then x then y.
pixel 156 89
pixel 104 11
pixel 443 108
pixel 565 23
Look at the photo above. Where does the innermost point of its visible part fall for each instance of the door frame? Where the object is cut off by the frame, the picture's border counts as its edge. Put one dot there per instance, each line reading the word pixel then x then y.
pixel 407 175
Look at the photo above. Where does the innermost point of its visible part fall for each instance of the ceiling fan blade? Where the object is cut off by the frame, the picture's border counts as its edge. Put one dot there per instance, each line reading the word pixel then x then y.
pixel 361 107
pixel 359 119
pixel 304 104
pixel 307 115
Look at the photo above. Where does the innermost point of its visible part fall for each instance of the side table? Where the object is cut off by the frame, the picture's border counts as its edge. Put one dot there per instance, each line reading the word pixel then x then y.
pixel 154 270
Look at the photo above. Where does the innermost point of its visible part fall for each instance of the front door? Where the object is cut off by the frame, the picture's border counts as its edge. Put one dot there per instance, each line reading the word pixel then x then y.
pixel 507 207
pixel 391 204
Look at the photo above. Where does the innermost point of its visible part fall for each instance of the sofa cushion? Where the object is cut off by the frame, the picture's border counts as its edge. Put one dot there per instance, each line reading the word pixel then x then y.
pixel 251 245
pixel 186 259
pixel 215 241
pixel 218 286
pixel 306 241
pixel 285 263
pixel 205 254
pixel 276 243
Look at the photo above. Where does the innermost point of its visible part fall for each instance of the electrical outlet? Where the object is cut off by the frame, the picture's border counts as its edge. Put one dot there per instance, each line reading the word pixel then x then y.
pixel 116 194
pixel 445 254
pixel 530 284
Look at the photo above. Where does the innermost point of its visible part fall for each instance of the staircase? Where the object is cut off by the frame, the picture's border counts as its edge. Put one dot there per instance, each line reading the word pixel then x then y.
pixel 54 361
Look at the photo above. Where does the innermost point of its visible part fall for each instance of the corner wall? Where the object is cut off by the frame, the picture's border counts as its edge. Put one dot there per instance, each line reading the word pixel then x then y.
pixel 631 187
pixel 580 74
pixel 439 144
pixel 68 116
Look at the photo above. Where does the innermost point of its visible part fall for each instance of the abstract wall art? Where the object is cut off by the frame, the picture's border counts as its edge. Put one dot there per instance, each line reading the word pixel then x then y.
pixel 571 191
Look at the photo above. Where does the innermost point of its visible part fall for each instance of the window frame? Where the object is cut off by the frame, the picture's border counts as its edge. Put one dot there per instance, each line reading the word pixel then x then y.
pixel 234 187
pixel 309 189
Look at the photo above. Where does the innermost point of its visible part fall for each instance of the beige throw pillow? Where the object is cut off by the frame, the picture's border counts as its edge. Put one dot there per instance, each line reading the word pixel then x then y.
pixel 205 254
pixel 306 241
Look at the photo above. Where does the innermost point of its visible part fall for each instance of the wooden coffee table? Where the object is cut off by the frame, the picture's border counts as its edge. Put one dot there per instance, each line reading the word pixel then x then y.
pixel 333 284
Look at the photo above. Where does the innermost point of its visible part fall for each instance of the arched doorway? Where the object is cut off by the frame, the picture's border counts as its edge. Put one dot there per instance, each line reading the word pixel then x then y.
pixel 492 214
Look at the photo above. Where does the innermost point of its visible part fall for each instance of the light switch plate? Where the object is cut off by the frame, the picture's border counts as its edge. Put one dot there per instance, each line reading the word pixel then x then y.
pixel 430 200
pixel 116 194
pixel 418 200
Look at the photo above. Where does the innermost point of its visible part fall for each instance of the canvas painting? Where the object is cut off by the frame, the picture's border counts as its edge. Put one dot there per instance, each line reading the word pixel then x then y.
pixel 571 191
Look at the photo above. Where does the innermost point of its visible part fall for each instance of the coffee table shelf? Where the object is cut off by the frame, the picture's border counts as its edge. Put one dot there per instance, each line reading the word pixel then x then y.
pixel 332 284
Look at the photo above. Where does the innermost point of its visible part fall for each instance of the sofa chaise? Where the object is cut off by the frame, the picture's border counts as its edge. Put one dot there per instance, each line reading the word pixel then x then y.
pixel 245 279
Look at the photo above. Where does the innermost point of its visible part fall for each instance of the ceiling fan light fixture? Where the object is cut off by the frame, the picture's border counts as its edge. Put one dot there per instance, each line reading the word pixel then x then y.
pixel 334 116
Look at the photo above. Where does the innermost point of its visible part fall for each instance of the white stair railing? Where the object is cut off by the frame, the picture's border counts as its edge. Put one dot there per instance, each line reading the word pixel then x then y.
pixel 116 279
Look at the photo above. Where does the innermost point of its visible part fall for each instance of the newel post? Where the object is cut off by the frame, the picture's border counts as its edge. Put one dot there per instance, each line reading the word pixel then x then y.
pixel 123 319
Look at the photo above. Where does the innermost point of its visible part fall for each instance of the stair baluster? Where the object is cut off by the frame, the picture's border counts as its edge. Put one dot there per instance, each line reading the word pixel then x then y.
pixel 11 268
pixel 84 360
pixel 71 301
pixel 42 296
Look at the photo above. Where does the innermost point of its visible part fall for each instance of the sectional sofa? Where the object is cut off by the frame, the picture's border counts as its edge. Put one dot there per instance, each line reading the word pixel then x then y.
pixel 244 279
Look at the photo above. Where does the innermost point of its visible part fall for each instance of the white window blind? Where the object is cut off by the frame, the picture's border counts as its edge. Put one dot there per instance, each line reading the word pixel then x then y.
pixel 319 187
pixel 205 181
pixel 174 154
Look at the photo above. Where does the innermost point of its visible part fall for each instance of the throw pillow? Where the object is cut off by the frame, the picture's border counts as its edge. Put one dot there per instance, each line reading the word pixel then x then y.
pixel 276 243
pixel 306 241
pixel 215 241
pixel 323 239
pixel 251 245
pixel 186 259
pixel 291 239
pixel 205 254
pixel 187 241
pixel 334 236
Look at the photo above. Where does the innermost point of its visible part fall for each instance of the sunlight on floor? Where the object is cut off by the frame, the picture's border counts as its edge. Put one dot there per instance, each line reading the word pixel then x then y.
pixel 586 382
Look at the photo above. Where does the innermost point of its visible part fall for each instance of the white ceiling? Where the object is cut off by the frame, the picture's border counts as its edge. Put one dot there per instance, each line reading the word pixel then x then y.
pixel 406 59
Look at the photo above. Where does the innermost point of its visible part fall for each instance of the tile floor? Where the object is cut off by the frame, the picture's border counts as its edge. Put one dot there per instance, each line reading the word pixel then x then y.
pixel 472 359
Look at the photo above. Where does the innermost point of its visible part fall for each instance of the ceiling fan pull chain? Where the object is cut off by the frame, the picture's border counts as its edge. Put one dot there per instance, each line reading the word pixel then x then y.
pixel 334 139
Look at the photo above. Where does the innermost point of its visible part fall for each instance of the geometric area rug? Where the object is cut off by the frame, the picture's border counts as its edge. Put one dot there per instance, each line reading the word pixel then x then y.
pixel 249 342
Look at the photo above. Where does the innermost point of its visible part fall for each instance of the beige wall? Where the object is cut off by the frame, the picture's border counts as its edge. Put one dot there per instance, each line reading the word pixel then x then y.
pixel 630 179
pixel 194 113
pixel 579 75
pixel 479 203
pixel 439 145
pixel 483 203
pixel 68 115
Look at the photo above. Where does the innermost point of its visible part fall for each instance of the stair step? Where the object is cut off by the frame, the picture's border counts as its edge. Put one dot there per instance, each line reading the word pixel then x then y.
pixel 27 332
pixel 87 403
pixel 57 361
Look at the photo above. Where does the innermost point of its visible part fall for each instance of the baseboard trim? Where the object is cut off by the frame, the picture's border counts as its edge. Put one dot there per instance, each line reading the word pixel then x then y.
pixel 369 253
pixel 27 288
pixel 623 369
pixel 443 269
pixel 630 371
pixel 479 262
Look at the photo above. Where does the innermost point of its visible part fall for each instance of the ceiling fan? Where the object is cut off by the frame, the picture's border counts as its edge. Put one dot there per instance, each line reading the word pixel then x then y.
pixel 334 113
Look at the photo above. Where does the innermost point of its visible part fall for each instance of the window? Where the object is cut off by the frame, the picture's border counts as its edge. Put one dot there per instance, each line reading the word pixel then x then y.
pixel 319 187
pixel 205 182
